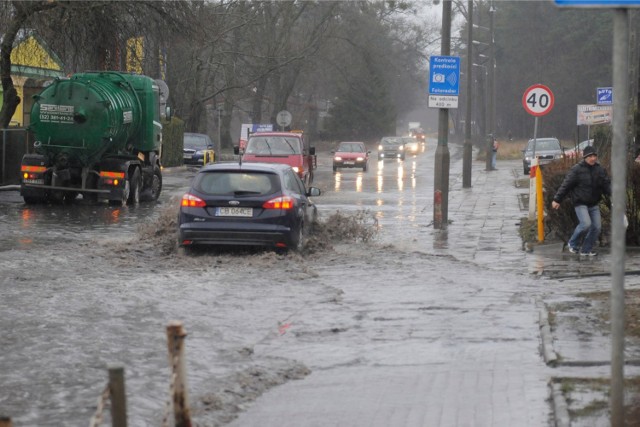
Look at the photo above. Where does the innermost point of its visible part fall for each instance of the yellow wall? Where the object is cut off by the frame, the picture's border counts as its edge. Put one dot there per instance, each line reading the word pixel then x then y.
pixel 29 59
pixel 30 53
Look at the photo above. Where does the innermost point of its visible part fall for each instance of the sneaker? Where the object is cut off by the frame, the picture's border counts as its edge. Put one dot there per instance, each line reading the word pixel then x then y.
pixel 572 249
pixel 588 254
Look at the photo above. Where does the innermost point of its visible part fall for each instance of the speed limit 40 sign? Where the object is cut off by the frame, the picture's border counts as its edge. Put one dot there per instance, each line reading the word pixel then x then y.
pixel 538 100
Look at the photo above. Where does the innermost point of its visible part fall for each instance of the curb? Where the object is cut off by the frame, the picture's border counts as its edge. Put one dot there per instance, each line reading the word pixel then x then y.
pixel 549 354
pixel 560 407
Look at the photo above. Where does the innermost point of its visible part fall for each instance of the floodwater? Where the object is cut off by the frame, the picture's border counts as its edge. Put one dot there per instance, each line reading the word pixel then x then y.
pixel 85 287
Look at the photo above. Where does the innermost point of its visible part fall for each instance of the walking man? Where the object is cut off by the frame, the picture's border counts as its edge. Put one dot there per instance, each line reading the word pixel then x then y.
pixel 586 182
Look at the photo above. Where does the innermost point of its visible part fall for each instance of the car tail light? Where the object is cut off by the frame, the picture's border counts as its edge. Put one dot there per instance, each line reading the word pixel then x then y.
pixel 282 202
pixel 191 201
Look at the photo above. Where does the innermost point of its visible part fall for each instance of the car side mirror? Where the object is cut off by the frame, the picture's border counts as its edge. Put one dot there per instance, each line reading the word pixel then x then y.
pixel 333 151
pixel 368 151
pixel 236 150
pixel 313 192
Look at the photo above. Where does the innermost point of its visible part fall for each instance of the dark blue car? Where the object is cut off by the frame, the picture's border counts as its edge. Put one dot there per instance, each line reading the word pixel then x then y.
pixel 252 204
pixel 196 146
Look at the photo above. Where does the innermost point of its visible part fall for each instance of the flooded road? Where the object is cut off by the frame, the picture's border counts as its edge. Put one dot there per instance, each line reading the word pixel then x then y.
pixel 86 287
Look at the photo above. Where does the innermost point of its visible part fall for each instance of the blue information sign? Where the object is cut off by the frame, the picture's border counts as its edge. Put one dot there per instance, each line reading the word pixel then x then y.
pixel 604 96
pixel 444 75
pixel 598 3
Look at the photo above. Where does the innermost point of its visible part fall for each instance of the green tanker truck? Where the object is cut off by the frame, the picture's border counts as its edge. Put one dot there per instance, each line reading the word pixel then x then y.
pixel 97 134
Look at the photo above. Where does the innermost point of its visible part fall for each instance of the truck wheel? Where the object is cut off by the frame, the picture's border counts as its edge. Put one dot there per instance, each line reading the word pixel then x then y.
pixel 136 185
pixel 152 192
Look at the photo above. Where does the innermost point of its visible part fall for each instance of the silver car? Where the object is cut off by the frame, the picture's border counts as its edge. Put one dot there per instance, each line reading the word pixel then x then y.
pixel 546 150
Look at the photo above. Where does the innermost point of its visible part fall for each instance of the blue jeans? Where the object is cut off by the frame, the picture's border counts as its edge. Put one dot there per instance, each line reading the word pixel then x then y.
pixel 494 154
pixel 589 222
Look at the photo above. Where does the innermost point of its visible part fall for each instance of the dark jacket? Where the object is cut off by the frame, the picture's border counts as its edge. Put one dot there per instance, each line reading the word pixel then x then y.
pixel 585 184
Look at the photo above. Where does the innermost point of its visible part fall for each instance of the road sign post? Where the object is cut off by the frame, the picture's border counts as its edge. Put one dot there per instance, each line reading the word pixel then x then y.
pixel 444 81
pixel 537 100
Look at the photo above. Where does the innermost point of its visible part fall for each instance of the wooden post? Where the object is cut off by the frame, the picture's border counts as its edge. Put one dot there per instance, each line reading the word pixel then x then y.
pixel 175 342
pixel 118 397
pixel 5 422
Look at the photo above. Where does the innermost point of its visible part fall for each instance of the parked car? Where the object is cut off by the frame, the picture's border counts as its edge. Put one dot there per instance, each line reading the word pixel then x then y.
pixel 577 151
pixel 411 145
pixel 351 155
pixel 546 150
pixel 391 147
pixel 248 204
pixel 290 148
pixel 196 147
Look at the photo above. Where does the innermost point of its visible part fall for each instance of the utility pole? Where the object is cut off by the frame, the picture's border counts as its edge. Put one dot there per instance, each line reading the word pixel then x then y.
pixel 468 152
pixel 442 156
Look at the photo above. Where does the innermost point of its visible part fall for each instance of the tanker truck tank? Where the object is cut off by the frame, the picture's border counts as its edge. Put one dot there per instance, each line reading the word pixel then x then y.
pixel 97 134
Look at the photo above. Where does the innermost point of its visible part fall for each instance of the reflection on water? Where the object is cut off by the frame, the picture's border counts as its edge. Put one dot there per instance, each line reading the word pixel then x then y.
pixel 338 176
pixel 29 225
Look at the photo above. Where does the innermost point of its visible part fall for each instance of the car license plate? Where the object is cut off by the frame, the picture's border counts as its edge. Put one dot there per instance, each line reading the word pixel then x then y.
pixel 34 181
pixel 349 163
pixel 188 156
pixel 222 211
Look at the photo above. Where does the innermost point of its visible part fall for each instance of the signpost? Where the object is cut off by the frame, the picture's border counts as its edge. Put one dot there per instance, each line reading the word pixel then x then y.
pixel 604 96
pixel 444 81
pixel 537 100
pixel 283 118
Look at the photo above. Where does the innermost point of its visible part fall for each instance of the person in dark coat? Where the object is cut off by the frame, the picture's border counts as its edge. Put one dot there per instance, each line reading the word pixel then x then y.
pixel 586 182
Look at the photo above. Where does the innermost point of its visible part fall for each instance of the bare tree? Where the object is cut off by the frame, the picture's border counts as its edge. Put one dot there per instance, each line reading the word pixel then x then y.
pixel 18 16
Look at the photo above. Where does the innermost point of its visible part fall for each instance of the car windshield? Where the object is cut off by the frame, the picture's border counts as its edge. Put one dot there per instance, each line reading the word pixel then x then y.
pixel 220 183
pixel 351 147
pixel 270 145
pixel 391 141
pixel 195 142
pixel 544 145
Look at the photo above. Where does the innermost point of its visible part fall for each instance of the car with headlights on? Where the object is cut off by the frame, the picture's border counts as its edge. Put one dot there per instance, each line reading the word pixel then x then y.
pixel 351 155
pixel 545 149
pixel 248 204
pixel 196 147
pixel 411 145
pixel 391 147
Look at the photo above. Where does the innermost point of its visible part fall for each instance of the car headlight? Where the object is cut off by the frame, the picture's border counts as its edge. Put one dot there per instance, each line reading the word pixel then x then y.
pixel 337 158
pixel 296 169
pixel 558 156
pixel 401 148
pixel 380 147
pixel 359 159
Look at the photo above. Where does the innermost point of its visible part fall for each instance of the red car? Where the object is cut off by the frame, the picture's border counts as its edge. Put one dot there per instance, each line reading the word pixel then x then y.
pixel 351 155
pixel 289 148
